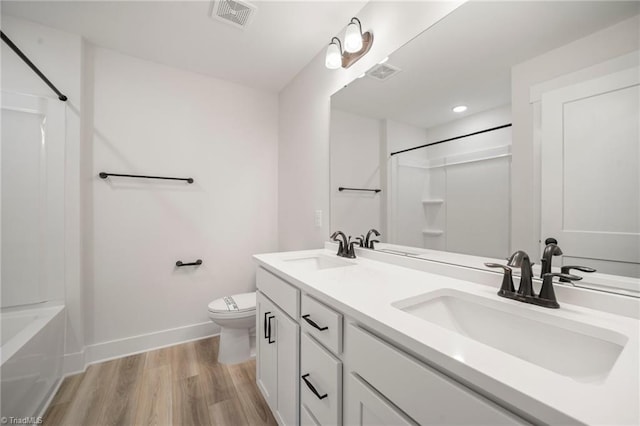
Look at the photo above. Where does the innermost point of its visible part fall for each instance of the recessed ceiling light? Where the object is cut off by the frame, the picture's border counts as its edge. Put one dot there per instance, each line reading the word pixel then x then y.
pixel 384 60
pixel 459 108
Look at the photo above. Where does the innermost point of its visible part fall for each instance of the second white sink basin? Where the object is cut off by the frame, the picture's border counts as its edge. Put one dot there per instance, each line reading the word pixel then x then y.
pixel 319 261
pixel 581 351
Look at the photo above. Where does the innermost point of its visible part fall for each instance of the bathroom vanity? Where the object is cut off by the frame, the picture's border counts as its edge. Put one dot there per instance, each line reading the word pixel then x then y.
pixel 385 339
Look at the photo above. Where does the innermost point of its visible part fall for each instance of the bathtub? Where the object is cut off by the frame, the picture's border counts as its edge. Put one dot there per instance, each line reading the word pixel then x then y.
pixel 32 351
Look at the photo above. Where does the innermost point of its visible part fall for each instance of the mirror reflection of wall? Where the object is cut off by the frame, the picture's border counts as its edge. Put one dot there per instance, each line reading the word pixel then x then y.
pixel 485 194
pixel 454 196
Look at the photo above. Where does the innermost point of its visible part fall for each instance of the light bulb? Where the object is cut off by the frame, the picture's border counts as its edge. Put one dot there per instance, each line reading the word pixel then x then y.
pixel 353 38
pixel 333 59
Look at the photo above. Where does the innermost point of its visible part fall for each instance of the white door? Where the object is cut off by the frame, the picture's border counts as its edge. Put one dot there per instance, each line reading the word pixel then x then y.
pixel 590 159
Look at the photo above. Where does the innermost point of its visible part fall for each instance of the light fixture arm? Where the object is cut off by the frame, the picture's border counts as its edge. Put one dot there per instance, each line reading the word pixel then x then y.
pixel 358 21
pixel 339 43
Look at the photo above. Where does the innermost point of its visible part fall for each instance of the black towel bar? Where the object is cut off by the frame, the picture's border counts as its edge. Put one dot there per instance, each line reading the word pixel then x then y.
pixel 342 188
pixel 104 175
pixel 196 263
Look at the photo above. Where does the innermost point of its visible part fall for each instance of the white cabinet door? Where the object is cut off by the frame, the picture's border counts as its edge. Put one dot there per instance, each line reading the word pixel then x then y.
pixel 590 171
pixel 277 361
pixel 365 406
pixel 287 343
pixel 266 354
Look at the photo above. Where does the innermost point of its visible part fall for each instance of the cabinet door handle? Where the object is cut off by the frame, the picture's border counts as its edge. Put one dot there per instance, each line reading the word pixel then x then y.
pixel 312 388
pixel 266 336
pixel 269 326
pixel 313 323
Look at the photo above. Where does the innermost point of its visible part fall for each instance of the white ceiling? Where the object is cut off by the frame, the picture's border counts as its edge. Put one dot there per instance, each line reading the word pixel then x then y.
pixel 283 37
pixel 467 57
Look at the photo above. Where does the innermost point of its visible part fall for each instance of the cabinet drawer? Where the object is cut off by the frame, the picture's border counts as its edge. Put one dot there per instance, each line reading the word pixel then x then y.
pixel 322 322
pixel 279 291
pixel 424 394
pixel 320 382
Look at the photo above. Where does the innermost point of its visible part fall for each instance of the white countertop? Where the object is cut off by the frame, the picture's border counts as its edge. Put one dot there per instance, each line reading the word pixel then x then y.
pixel 366 290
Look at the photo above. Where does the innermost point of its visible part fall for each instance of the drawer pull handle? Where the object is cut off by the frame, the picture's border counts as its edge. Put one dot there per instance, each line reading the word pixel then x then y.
pixel 266 335
pixel 313 388
pixel 269 335
pixel 313 323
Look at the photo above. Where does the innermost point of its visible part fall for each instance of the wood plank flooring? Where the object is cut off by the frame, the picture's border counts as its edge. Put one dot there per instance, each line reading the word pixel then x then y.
pixel 178 385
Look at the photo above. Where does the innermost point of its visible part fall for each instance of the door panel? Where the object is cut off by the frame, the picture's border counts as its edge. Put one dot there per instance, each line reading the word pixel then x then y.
pixel 590 169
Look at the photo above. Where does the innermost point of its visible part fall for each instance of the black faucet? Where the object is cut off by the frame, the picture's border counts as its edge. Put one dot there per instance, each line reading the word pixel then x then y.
pixel 550 250
pixel 567 269
pixel 368 243
pixel 507 279
pixel 547 296
pixel 345 247
pixel 341 244
pixel 520 259
pixel 525 293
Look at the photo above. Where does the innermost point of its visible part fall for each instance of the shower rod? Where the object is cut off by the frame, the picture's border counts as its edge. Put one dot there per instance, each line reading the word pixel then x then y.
pixel 451 139
pixel 35 69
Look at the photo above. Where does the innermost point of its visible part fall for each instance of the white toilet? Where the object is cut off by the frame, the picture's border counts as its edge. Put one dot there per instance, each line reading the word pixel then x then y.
pixel 236 315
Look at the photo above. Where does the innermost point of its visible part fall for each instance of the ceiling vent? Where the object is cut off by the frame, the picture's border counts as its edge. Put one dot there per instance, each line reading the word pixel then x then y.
pixel 383 72
pixel 233 12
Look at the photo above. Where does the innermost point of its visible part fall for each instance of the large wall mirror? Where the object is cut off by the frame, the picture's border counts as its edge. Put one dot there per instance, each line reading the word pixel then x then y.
pixel 503 116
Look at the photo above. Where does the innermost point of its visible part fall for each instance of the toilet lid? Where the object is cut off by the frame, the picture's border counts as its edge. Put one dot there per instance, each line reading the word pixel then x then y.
pixel 236 303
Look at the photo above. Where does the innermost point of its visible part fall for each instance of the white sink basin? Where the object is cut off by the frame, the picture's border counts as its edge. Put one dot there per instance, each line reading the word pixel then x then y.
pixel 581 351
pixel 319 261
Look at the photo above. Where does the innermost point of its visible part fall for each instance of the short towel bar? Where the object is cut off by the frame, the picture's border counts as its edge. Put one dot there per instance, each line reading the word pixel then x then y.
pixel 196 263
pixel 342 188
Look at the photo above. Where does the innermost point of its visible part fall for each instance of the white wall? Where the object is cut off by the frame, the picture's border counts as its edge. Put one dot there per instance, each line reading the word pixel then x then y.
pixel 355 163
pixel 609 43
pixel 58 55
pixel 304 159
pixel 152 119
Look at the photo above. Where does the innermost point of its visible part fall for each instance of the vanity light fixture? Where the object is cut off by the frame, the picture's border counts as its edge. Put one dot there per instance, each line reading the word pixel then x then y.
pixel 459 108
pixel 356 45
pixel 353 36
pixel 333 59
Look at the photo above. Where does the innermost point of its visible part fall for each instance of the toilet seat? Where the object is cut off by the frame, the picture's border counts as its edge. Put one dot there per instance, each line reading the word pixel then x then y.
pixel 237 306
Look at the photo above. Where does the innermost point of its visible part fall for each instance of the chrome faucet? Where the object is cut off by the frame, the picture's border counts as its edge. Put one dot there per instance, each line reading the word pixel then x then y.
pixel 520 259
pixel 368 243
pixel 550 250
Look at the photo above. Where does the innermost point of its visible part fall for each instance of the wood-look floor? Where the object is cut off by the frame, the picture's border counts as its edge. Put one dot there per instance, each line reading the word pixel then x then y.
pixel 178 385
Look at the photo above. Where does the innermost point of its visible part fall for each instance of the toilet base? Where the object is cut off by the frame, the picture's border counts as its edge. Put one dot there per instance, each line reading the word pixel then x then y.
pixel 235 345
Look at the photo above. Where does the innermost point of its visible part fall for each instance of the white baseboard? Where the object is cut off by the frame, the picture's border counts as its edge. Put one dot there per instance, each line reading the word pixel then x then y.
pixel 78 362
pixel 73 363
